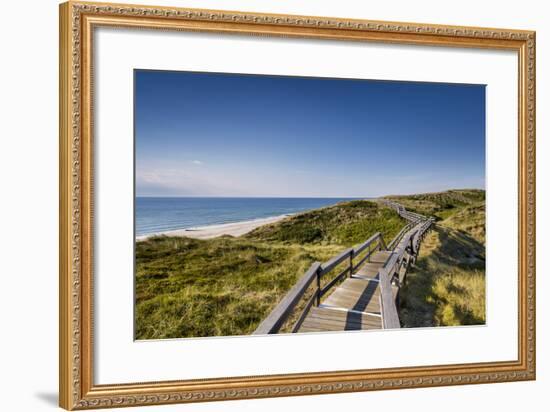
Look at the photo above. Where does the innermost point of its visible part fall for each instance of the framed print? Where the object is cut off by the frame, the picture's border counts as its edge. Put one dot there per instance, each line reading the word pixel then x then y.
pixel 258 205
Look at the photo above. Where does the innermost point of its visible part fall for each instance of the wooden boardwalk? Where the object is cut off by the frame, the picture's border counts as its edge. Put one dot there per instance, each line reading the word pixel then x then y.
pixel 354 304
pixel 365 294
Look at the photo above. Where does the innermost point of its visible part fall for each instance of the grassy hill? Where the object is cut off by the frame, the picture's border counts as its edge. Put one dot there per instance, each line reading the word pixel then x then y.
pixel 441 205
pixel 447 284
pixel 226 286
pixel 345 224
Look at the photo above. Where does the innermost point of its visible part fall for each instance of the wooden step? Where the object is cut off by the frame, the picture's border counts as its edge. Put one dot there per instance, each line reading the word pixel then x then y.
pixel 324 319
pixel 357 294
pixel 370 268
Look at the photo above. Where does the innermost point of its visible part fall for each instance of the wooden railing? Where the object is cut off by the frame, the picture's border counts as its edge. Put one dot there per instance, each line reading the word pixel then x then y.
pixel 404 213
pixel 395 269
pixel 317 272
pixel 404 247
pixel 399 236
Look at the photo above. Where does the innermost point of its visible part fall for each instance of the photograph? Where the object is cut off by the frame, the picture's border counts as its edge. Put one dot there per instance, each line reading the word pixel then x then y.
pixel 283 204
pixel 267 204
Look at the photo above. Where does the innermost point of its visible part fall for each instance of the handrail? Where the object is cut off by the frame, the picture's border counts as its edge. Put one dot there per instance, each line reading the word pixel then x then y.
pixel 388 308
pixel 335 261
pixel 421 233
pixel 358 249
pixel 399 236
pixel 400 209
pixel 279 315
pixel 402 247
pixel 408 244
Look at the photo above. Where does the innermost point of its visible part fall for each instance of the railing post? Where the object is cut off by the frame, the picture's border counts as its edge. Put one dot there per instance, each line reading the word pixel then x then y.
pixel 381 243
pixel 369 253
pixel 351 256
pixel 318 292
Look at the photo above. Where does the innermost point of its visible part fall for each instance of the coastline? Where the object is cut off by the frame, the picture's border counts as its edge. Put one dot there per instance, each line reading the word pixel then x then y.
pixel 235 229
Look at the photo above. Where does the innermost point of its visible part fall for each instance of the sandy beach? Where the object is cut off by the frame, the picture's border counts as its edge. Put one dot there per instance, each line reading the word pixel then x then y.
pixel 207 232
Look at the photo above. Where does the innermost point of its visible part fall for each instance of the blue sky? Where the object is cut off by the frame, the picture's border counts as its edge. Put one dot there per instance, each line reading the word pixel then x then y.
pixel 202 134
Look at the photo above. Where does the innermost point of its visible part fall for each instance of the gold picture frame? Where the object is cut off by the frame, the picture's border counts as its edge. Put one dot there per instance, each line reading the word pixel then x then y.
pixel 77 22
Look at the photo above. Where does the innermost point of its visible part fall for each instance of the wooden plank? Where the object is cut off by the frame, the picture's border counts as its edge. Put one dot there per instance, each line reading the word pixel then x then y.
pixel 277 317
pixel 326 312
pixel 390 318
pixel 357 291
pixel 354 282
pixel 348 317
pixel 365 305
pixel 305 329
pixel 359 287
pixel 344 300
pixel 347 300
pixel 344 324
pixel 365 277
pixel 320 329
pixel 331 325
pixel 357 284
pixel 333 320
pixel 380 257
pixel 369 269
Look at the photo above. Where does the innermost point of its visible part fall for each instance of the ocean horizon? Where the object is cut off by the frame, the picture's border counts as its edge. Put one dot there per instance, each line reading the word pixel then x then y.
pixel 161 214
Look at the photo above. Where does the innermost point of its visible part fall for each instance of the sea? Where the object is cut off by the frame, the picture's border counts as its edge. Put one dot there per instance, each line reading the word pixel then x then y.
pixel 160 214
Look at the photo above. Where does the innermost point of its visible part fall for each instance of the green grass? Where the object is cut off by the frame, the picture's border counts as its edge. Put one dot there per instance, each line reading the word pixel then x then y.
pixel 470 220
pixel 226 286
pixel 345 224
pixel 441 205
pixel 446 286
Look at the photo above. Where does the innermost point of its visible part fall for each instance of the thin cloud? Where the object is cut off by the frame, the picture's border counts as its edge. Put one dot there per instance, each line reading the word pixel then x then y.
pixel 187 182
pixel 197 162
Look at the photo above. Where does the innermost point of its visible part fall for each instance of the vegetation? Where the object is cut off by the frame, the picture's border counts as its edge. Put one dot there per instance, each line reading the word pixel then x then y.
pixel 441 205
pixel 446 286
pixel 345 224
pixel 226 286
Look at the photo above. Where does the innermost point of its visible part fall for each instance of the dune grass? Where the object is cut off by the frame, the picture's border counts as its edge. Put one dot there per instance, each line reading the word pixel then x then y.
pixel 441 205
pixel 226 286
pixel 446 286
pixel 345 224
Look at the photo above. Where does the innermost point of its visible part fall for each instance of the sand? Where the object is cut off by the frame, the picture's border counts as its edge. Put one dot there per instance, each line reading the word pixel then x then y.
pixel 207 232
